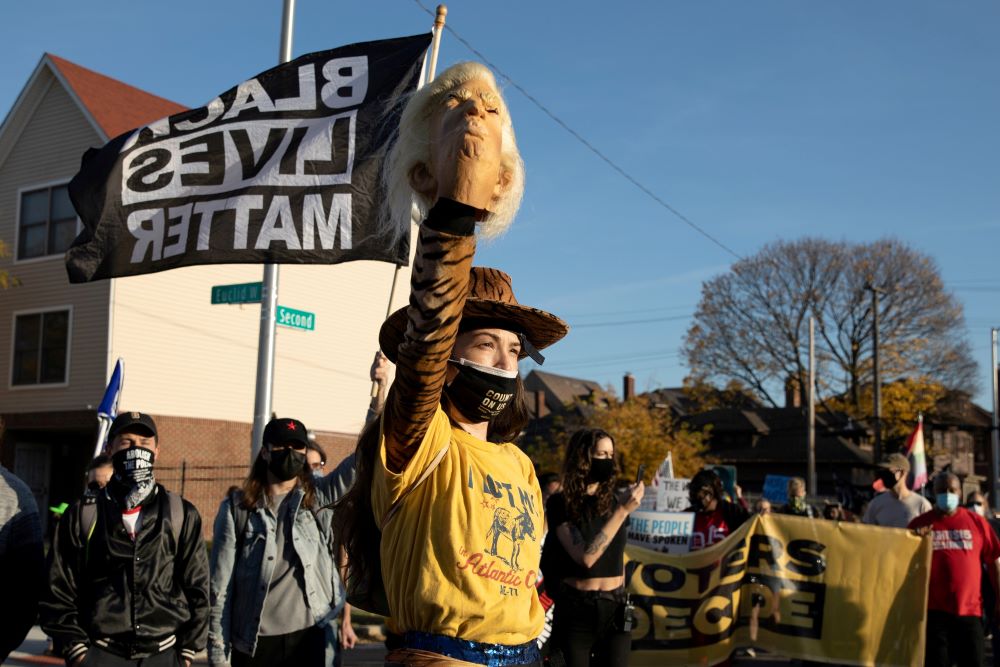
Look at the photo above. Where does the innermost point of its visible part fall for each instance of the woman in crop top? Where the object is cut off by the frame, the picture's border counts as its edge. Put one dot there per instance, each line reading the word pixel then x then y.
pixel 587 553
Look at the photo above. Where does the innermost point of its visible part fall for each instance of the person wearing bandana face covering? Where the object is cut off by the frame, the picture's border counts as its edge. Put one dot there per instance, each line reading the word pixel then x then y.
pixel 964 546
pixel 897 506
pixel 584 561
pixel 275 587
pixel 142 551
pixel 458 505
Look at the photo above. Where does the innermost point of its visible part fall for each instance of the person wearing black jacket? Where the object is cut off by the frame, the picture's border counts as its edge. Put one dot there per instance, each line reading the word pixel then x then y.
pixel 129 578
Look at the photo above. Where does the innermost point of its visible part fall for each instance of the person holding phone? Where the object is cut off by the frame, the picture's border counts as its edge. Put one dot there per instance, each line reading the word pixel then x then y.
pixel 592 617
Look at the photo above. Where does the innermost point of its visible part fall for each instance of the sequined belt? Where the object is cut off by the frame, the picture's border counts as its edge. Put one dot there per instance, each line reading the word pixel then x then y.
pixel 481 653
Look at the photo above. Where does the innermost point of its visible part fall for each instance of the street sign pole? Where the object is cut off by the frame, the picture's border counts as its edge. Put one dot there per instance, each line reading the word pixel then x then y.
pixel 269 297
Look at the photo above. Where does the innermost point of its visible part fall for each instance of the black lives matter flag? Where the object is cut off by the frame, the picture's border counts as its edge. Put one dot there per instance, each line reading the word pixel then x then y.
pixel 283 168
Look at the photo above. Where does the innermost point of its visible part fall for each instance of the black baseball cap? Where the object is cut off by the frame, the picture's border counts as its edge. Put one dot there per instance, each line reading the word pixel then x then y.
pixel 280 431
pixel 134 420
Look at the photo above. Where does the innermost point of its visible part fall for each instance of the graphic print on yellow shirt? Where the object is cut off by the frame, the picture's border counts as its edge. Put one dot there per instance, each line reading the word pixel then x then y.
pixel 460 557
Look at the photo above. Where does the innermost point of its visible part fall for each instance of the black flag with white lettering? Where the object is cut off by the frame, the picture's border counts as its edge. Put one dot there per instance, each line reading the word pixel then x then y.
pixel 283 168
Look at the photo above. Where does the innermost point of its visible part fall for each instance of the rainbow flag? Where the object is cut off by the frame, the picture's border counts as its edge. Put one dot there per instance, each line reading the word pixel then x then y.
pixel 918 458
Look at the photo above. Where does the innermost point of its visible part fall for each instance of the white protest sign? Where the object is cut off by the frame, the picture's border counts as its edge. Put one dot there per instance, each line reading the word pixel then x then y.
pixel 666 532
pixel 672 495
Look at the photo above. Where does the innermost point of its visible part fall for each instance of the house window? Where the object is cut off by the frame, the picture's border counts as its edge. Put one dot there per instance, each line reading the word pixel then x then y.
pixel 41 348
pixel 47 224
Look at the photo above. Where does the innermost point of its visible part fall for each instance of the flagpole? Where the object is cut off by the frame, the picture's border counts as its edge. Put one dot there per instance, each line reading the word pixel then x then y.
pixel 269 291
pixel 812 407
pixel 442 12
pixel 994 433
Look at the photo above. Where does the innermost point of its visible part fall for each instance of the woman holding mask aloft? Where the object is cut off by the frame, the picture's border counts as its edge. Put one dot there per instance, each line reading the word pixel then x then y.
pixel 590 523
pixel 444 503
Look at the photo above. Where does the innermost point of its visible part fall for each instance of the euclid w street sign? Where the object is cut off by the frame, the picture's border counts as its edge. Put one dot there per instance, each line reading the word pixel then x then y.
pixel 244 293
pixel 296 319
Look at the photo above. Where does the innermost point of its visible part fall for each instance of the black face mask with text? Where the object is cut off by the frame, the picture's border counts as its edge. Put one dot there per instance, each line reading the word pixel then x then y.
pixel 133 479
pixel 480 392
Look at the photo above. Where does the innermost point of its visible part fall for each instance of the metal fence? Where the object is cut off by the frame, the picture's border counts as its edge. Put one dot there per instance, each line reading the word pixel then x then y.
pixel 203 485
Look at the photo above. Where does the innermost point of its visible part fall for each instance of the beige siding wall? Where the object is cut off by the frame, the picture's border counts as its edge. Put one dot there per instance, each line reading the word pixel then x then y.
pixel 186 357
pixel 47 150
pixel 183 356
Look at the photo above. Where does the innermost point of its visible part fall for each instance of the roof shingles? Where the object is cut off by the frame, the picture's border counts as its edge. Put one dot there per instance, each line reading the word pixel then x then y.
pixel 115 106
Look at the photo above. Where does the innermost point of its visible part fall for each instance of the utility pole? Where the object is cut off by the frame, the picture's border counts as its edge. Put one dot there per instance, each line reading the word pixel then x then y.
pixel 812 406
pixel 995 435
pixel 876 382
pixel 264 390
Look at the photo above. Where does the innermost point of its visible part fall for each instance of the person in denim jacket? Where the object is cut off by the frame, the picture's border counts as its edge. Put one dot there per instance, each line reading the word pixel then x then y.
pixel 275 587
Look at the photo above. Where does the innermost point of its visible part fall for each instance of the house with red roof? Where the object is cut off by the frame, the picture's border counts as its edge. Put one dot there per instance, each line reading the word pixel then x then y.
pixel 189 363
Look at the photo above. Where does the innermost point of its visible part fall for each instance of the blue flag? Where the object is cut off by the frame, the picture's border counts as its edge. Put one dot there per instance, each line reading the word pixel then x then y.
pixel 108 409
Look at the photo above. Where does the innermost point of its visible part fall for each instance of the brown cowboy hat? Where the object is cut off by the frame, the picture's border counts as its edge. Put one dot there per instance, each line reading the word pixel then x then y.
pixel 491 300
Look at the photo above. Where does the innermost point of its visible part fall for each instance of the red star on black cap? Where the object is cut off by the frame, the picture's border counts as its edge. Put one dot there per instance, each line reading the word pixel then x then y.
pixel 290 426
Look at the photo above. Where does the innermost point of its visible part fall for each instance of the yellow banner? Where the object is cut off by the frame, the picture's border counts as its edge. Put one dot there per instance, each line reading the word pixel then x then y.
pixel 812 589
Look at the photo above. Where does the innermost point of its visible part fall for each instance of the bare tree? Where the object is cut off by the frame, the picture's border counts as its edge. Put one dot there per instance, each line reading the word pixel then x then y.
pixel 752 323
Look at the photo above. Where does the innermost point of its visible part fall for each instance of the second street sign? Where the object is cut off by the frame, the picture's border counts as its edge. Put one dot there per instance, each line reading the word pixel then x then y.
pixel 295 319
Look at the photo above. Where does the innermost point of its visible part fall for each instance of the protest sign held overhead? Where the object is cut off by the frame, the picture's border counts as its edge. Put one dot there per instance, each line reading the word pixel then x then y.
pixel 672 495
pixel 283 168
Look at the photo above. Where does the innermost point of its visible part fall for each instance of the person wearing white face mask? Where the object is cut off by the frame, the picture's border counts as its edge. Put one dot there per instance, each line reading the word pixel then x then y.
pixel 964 544
pixel 975 502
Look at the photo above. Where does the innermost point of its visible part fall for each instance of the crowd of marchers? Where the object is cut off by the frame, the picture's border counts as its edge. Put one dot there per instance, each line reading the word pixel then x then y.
pixel 438 521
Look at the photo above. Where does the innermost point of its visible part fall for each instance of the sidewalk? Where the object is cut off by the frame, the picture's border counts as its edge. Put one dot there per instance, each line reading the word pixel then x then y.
pixel 32 652
pixel 364 655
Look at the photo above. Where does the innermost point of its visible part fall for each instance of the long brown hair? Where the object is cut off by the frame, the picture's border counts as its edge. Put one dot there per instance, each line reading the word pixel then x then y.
pixel 575 471
pixel 255 485
pixel 355 528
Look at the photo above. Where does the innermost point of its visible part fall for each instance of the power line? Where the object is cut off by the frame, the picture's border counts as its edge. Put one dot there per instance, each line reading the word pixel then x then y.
pixel 596 363
pixel 571 315
pixel 618 323
pixel 593 149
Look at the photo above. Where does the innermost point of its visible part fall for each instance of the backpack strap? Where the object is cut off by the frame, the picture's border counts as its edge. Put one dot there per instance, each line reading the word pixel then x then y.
pixel 176 508
pixel 240 516
pixel 423 477
pixel 88 520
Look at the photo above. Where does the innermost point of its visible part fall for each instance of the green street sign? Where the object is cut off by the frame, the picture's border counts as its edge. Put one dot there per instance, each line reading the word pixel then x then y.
pixel 295 319
pixel 243 293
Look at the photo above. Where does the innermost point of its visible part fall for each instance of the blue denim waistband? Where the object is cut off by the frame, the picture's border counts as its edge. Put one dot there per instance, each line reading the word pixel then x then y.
pixel 492 655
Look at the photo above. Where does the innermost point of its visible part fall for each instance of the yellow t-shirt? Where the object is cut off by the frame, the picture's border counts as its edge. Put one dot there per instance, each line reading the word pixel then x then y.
pixel 460 557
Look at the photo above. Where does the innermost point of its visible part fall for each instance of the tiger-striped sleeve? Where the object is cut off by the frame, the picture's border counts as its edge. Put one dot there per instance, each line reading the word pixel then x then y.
pixel 438 288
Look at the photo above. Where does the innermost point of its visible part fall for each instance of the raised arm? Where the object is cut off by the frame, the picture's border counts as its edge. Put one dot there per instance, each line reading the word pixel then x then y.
pixel 439 285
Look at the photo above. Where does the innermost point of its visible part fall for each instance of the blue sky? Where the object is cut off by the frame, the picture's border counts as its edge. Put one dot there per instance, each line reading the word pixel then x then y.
pixel 759 121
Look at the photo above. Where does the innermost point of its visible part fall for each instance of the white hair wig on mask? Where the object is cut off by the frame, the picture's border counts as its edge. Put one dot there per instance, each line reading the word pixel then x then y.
pixel 412 147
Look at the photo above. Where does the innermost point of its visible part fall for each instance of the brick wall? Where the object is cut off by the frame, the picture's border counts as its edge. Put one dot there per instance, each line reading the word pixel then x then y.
pixel 204 457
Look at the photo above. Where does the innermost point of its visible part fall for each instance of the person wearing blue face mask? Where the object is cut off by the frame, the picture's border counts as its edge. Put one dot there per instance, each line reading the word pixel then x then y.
pixel 963 544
